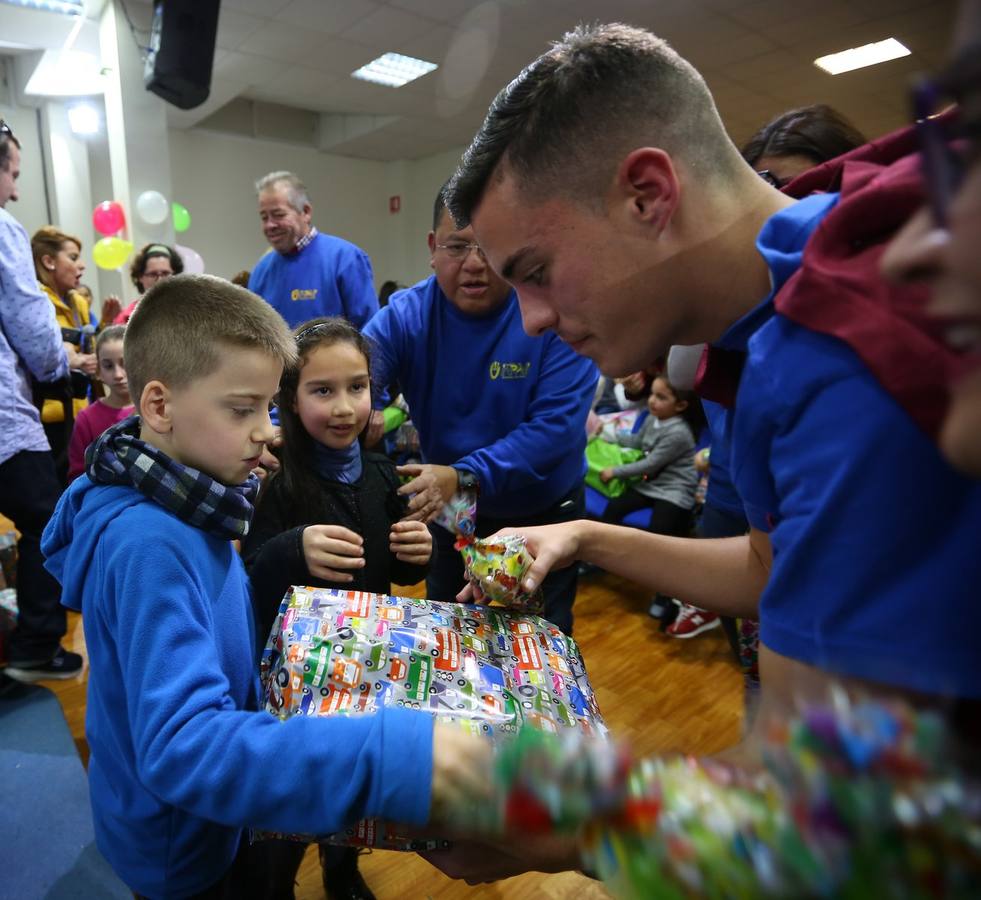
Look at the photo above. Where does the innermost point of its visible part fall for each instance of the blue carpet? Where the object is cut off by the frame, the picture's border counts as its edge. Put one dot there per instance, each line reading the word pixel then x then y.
pixel 47 849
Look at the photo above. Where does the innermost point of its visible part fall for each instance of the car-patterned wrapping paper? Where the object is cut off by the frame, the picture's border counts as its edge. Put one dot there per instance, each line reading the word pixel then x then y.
pixel 488 670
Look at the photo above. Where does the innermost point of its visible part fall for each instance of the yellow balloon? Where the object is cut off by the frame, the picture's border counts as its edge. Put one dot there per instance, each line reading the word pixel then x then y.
pixel 111 252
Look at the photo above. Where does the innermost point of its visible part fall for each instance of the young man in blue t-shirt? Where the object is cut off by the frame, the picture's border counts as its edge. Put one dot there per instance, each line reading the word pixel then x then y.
pixel 496 409
pixel 603 186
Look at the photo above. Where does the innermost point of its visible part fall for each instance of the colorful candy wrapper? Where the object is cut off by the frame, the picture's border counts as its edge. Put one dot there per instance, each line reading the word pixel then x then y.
pixel 489 671
pixel 459 516
pixel 850 800
pixel 497 566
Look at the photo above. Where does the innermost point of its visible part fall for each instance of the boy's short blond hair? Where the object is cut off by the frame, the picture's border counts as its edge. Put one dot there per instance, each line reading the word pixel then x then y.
pixel 182 324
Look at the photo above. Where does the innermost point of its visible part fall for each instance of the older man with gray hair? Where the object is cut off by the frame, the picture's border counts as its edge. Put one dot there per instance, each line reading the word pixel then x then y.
pixel 310 274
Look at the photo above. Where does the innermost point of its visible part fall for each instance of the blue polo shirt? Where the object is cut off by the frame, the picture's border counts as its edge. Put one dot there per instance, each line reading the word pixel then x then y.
pixel 487 397
pixel 876 569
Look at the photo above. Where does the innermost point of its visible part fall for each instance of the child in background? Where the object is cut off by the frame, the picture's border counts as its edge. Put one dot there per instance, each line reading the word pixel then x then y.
pixel 108 410
pixel 331 516
pixel 667 470
pixel 180 759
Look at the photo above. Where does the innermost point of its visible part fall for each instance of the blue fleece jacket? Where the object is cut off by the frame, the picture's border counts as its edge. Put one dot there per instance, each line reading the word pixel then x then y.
pixel 487 397
pixel 180 759
pixel 328 277
pixel 867 521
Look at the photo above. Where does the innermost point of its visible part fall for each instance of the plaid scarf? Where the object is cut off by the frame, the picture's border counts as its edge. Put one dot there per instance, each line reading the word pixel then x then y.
pixel 118 456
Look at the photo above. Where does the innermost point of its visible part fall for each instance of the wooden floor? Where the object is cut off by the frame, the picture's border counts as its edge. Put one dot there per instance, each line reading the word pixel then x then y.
pixel 659 693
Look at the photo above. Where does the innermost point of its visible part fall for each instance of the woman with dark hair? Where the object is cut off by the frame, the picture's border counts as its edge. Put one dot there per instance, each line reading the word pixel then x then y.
pixel 153 262
pixel 798 140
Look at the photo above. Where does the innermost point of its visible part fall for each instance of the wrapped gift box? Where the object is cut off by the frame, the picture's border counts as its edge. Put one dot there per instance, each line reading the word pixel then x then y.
pixel 490 671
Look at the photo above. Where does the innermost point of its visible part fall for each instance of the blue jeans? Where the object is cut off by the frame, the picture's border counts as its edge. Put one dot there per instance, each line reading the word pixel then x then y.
pixel 446 577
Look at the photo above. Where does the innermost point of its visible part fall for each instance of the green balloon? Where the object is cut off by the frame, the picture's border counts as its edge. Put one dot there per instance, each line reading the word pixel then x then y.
pixel 182 218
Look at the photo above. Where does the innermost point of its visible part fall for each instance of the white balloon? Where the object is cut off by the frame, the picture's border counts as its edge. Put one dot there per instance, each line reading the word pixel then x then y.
pixel 193 263
pixel 152 207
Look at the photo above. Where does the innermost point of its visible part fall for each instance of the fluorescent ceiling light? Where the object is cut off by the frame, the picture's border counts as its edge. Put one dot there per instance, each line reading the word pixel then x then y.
pixel 66 73
pixel 394 70
pixel 859 57
pixel 68 7
pixel 83 118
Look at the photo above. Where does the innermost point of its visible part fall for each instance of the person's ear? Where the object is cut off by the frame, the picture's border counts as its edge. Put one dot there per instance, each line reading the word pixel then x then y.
pixel 154 407
pixel 307 211
pixel 48 261
pixel 648 186
pixel 680 405
pixel 431 240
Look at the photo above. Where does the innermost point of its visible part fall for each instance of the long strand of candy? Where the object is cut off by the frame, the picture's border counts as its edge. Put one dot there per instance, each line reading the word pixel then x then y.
pixel 851 801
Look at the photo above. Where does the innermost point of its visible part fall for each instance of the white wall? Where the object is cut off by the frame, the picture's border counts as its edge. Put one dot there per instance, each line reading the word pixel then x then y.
pixel 31 209
pixel 213 176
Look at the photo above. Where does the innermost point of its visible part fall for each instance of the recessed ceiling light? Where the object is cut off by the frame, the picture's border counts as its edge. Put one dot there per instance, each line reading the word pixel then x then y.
pixel 859 57
pixel 83 118
pixel 69 7
pixel 394 70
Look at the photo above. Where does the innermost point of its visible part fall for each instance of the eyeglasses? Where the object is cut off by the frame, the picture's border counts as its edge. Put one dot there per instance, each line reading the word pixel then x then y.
pixel 461 250
pixel 156 276
pixel 943 169
pixel 942 154
pixel 768 176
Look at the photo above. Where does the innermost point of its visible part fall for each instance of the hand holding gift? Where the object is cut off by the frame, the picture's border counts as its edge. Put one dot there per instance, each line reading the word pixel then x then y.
pixel 331 551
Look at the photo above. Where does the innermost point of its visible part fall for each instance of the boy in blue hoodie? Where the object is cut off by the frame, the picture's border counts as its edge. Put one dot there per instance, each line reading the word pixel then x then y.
pixel 180 760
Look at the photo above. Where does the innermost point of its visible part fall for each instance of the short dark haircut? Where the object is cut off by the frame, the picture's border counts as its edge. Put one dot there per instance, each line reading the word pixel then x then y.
pixel 567 120
pixel 439 204
pixel 182 325
pixel 817 132
pixel 6 139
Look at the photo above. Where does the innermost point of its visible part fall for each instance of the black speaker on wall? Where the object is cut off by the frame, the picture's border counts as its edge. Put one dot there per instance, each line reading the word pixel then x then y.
pixel 182 51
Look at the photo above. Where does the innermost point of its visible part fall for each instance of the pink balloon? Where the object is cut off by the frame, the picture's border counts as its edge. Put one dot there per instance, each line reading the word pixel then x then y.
pixel 193 264
pixel 108 218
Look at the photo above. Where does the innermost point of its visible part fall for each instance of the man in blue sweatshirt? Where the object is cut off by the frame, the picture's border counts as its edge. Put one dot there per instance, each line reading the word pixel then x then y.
pixel 604 187
pixel 180 759
pixel 307 274
pixel 495 409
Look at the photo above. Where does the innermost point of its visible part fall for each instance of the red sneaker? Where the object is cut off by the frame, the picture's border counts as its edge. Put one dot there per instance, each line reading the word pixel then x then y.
pixel 691 621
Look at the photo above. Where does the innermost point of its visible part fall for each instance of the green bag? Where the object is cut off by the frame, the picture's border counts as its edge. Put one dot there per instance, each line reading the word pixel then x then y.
pixel 601 455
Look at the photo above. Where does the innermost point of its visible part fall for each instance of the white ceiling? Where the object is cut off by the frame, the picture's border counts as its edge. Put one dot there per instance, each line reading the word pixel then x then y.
pixel 757 56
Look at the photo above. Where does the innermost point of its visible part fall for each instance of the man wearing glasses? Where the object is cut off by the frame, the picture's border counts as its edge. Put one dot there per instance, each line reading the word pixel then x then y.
pixel 497 411
pixel 30 347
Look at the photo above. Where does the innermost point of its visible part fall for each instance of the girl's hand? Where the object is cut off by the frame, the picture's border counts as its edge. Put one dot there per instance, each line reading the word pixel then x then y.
pixel 329 550
pixel 606 475
pixel 411 542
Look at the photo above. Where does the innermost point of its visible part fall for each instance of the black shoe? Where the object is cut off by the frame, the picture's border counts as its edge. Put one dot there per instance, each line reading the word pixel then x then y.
pixel 341 877
pixel 664 609
pixel 61 666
